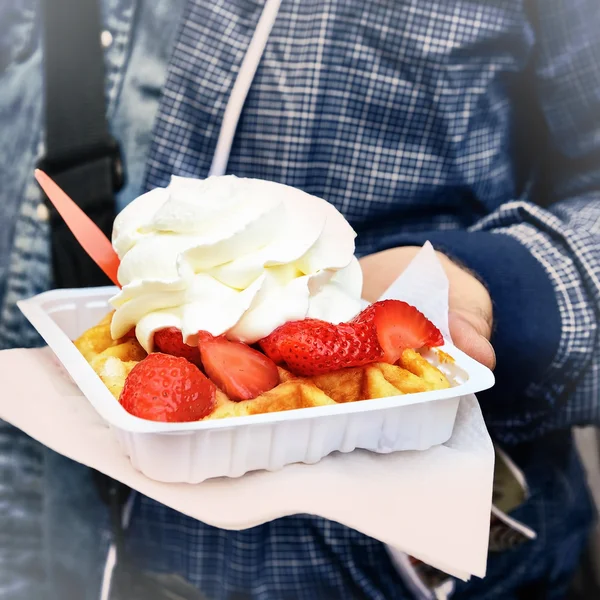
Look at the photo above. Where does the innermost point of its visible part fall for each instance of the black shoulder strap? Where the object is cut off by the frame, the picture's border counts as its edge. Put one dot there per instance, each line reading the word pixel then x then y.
pixel 81 154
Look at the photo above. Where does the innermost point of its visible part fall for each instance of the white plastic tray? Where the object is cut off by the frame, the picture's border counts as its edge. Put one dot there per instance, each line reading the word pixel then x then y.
pixel 193 452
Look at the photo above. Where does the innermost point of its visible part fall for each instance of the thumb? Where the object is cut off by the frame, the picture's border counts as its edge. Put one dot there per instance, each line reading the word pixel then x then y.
pixel 467 338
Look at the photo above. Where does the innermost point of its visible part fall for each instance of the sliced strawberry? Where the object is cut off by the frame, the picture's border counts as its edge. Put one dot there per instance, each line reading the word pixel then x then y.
pixel 380 332
pixel 204 336
pixel 400 326
pixel 270 346
pixel 168 388
pixel 310 347
pixel 170 341
pixel 367 315
pixel 240 371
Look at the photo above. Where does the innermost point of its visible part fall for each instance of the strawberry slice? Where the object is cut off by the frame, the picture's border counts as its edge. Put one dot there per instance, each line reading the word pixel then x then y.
pixel 170 341
pixel 381 332
pixel 311 347
pixel 168 388
pixel 240 371
pixel 400 326
pixel 130 333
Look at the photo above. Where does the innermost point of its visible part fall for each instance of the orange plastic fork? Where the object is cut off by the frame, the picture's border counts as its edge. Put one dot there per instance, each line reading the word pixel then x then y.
pixel 87 233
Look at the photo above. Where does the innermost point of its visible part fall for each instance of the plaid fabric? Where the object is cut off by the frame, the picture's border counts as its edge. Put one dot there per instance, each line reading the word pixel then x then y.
pixel 308 558
pixel 408 115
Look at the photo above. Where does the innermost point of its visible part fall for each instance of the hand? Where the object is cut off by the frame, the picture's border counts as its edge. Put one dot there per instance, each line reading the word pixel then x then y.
pixel 470 305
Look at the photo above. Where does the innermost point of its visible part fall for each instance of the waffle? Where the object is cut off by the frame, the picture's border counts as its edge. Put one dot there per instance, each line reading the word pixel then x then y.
pixel 112 360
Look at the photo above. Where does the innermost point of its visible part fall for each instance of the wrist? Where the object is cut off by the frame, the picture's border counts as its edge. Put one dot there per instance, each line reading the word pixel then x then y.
pixel 527 320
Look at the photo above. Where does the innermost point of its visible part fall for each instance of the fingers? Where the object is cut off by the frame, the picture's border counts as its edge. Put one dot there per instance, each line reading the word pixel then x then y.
pixel 471 339
pixel 382 268
pixel 470 303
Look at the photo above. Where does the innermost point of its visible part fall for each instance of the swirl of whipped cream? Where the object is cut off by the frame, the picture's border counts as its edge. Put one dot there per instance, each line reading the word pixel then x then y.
pixel 231 256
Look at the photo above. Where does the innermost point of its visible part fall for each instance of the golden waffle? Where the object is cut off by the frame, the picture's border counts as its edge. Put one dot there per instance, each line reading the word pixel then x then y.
pixel 112 360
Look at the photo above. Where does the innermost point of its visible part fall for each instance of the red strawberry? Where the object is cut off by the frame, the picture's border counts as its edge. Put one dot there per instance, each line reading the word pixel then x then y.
pixel 167 388
pixel 240 371
pixel 310 347
pixel 270 346
pixel 380 332
pixel 399 326
pixel 204 336
pixel 170 341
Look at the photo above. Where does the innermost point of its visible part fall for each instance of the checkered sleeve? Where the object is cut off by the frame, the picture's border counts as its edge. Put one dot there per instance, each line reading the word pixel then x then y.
pixel 541 261
pixel 564 237
pixel 565 241
pixel 542 269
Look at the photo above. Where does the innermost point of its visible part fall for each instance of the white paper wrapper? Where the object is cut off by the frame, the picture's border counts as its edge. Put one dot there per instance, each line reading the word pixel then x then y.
pixel 434 504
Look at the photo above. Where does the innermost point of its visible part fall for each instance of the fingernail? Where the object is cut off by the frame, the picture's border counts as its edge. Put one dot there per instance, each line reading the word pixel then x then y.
pixel 491 350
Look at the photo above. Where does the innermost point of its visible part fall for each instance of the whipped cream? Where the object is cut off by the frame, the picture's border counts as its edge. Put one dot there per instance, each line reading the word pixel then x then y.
pixel 231 256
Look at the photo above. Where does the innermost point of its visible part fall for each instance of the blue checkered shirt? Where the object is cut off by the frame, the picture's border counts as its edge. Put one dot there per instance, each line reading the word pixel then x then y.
pixel 421 117
pixel 473 124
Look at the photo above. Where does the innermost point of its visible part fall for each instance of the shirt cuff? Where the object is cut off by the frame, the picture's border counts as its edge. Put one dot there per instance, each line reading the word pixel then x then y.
pixel 527 322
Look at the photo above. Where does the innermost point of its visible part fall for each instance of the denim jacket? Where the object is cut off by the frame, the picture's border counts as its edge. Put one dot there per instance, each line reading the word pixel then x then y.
pixel 36 550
